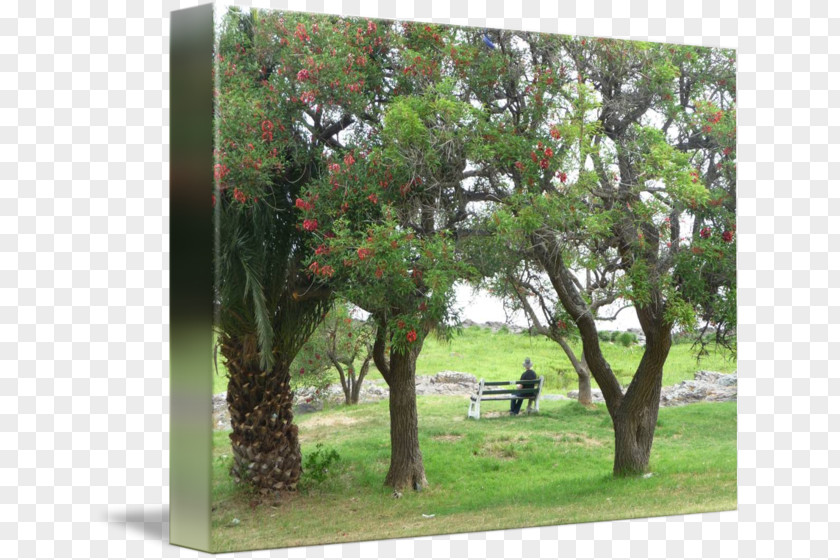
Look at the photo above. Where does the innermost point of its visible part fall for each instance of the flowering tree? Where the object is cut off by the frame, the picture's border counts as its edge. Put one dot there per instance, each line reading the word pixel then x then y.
pixel 285 91
pixel 607 148
pixel 383 229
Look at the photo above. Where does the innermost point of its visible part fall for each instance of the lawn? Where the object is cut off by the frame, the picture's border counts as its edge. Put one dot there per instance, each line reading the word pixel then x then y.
pixel 497 472
pixel 498 356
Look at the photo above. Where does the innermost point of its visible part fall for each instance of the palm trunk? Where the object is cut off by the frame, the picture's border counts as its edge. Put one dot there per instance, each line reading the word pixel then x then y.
pixel 264 440
pixel 406 470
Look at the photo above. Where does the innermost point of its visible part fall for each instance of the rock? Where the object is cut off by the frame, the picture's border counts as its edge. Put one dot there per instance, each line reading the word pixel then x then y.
pixel 597 395
pixel 454 377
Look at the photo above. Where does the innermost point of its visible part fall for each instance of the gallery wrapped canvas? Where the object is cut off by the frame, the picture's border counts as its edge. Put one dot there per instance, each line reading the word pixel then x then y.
pixel 445 279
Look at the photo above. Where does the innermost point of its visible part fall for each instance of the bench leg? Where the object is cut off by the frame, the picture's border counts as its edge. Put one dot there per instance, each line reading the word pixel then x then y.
pixel 474 410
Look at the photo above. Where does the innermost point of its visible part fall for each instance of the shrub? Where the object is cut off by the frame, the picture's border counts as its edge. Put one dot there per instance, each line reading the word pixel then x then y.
pixel 317 465
pixel 604 336
pixel 626 339
pixel 614 335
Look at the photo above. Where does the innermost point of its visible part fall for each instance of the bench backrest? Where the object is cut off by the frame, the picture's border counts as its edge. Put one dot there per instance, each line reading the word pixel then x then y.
pixel 525 392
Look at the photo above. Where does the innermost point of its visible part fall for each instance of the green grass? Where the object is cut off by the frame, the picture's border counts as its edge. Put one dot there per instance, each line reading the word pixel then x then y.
pixel 494 473
pixel 498 357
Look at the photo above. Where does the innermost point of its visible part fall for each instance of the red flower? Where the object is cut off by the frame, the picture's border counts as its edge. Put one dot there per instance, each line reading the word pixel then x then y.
pixel 303 75
pixel 549 152
pixel 378 273
pixel 239 196
pixel 705 233
pixel 555 133
pixel 349 160
pixel 411 336
pixel 544 163
pixel 562 177
pixel 310 225
pixel 373 198
pixel 334 168
pixel 363 253
pixel 267 126
pixel 727 236
pixel 327 271
pixel 401 324
pixel 519 165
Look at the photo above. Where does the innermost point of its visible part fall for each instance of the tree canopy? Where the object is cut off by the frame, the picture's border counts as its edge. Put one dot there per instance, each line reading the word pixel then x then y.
pixel 408 156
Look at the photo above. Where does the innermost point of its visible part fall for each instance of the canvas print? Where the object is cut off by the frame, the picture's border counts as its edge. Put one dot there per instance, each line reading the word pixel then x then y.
pixel 466 279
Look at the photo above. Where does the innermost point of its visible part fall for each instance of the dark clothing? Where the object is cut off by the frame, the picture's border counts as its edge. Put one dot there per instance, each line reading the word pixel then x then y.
pixel 528 375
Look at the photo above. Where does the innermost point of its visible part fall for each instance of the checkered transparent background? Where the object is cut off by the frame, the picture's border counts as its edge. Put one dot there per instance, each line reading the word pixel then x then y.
pixel 84 288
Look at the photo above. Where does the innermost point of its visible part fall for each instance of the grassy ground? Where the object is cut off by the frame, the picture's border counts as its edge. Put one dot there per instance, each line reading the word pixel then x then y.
pixel 498 472
pixel 498 356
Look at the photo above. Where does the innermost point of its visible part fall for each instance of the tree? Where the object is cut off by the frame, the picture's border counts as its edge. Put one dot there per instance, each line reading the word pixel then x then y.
pixel 593 184
pixel 269 145
pixel 384 224
pixel 338 343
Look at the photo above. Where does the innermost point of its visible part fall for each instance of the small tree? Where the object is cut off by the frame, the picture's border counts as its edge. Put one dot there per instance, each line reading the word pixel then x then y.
pixel 336 346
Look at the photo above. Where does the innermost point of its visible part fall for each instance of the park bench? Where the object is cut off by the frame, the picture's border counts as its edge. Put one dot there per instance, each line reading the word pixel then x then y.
pixel 505 391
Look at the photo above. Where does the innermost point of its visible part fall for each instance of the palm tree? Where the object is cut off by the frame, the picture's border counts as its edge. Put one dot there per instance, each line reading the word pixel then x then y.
pixel 263 319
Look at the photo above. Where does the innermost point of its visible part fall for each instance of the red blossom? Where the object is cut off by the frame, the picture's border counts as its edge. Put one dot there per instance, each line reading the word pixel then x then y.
pixel 549 152
pixel 310 225
pixel 705 233
pixel 364 253
pixel 349 160
pixel 300 33
pixel 303 75
pixel 727 236
pixel 519 165
pixel 555 132
pixel 334 168
pixel 379 272
pixel 411 335
pixel 239 196
pixel 544 163
pixel 373 198
pixel 562 176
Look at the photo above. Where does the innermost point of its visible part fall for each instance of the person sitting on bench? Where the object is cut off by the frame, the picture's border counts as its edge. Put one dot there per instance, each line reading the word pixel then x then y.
pixel 527 375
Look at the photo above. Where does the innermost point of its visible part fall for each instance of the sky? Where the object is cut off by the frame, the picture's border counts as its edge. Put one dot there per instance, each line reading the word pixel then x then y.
pixel 482 307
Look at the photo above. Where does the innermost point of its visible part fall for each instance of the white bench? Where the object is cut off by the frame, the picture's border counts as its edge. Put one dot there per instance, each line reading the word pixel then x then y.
pixel 506 391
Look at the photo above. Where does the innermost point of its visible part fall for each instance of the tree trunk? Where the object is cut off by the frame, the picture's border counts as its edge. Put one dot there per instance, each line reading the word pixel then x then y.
pixel 357 381
pixel 584 387
pixel 264 440
pixel 406 470
pixel 635 420
pixel 584 377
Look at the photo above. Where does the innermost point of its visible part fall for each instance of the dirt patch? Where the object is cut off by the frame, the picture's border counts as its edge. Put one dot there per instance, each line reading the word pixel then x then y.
pixel 573 438
pixel 329 420
pixel 448 437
